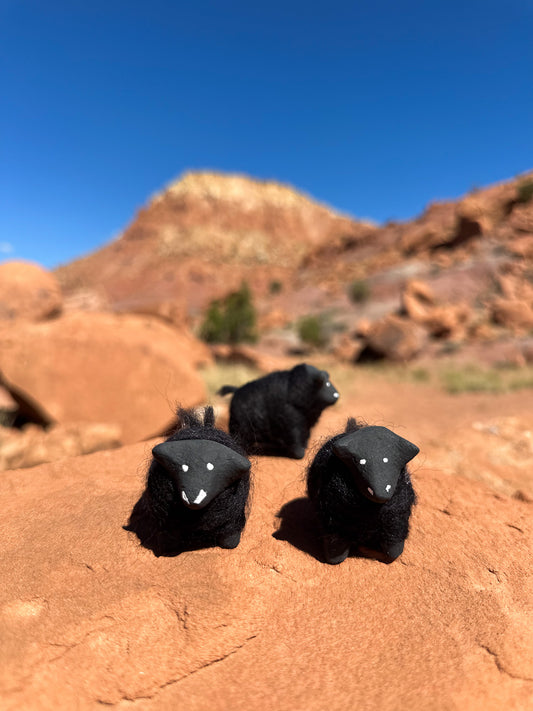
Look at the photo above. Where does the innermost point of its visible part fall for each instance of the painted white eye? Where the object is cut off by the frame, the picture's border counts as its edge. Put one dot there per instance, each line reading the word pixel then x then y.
pixel 328 384
pixel 185 467
pixel 362 461
pixel 371 491
pixel 385 459
pixel 184 497
pixel 210 466
pixel 335 394
pixel 388 488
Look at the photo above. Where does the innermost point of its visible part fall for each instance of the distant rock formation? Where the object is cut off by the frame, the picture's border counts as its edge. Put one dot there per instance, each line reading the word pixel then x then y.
pixel 202 234
pixel 28 292
pixel 206 233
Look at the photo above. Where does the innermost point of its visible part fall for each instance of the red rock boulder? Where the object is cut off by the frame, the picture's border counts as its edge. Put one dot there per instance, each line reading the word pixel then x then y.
pixel 394 338
pixel 27 291
pixel 513 314
pixel 128 370
pixel 90 619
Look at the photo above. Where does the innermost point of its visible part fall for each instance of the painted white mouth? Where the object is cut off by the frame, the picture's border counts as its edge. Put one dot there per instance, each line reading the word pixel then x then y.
pixel 201 496
pixel 388 488
pixel 184 497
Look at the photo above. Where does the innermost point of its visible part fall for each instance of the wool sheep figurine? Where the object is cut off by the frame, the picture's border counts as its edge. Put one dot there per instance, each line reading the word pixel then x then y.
pixel 273 415
pixel 197 489
pixel 361 491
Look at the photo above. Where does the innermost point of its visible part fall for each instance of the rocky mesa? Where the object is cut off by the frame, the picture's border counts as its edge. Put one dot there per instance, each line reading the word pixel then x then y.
pixel 457 274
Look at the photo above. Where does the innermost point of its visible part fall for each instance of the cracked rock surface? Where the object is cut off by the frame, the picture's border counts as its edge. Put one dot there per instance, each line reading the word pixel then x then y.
pixel 89 618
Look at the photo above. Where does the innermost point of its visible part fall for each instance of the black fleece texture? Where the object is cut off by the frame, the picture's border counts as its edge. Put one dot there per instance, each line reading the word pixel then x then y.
pixel 273 415
pixel 344 512
pixel 162 521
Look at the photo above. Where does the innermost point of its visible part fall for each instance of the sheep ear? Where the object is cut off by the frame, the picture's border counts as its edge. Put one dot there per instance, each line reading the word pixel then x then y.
pixel 209 416
pixel 407 449
pixel 309 370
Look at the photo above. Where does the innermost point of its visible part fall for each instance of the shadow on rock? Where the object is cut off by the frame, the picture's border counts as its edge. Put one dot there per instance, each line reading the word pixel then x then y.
pixel 300 527
pixel 145 527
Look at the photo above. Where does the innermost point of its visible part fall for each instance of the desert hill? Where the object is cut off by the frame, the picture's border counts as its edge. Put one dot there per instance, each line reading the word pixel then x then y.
pixel 207 233
pixel 202 235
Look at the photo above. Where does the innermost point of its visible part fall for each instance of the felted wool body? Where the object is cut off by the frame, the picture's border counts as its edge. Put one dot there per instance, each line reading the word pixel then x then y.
pixel 161 518
pixel 273 415
pixel 351 519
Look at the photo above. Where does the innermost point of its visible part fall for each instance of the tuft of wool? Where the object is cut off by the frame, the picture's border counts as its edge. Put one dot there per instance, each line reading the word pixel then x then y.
pixel 161 520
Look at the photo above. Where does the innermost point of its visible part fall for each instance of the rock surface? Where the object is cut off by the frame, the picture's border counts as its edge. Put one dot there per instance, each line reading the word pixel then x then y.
pixel 32 445
pixel 90 618
pixel 395 338
pixel 27 291
pixel 90 367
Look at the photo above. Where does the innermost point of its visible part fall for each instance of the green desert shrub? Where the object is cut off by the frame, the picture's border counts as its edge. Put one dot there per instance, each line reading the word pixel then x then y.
pixel 314 330
pixel 231 319
pixel 358 291
pixel 275 287
pixel 525 191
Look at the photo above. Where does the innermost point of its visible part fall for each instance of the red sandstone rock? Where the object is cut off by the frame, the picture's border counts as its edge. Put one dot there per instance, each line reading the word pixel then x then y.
pixel 395 338
pixel 248 355
pixel 89 618
pixel 7 404
pixel 419 290
pixel 27 291
pixel 513 314
pixel 34 445
pixel 127 370
pixel 521 218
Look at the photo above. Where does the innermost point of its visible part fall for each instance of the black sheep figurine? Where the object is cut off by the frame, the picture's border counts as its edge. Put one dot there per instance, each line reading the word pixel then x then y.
pixel 197 489
pixel 362 492
pixel 273 415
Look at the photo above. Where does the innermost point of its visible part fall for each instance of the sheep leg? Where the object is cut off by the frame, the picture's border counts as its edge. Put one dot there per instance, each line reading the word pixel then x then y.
pixel 392 550
pixel 229 540
pixel 296 443
pixel 336 549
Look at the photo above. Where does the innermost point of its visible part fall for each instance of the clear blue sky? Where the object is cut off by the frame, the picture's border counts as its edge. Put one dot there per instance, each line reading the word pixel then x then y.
pixel 373 107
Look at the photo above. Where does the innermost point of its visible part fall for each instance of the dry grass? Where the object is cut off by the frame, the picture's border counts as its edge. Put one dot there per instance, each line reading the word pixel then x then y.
pixel 219 374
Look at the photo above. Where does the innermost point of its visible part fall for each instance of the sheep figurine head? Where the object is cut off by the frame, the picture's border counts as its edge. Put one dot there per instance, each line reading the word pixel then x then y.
pixel 376 457
pixel 322 392
pixel 200 469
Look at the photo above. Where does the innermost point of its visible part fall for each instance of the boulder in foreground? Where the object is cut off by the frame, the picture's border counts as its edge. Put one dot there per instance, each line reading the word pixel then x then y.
pixel 89 617
pixel 95 367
